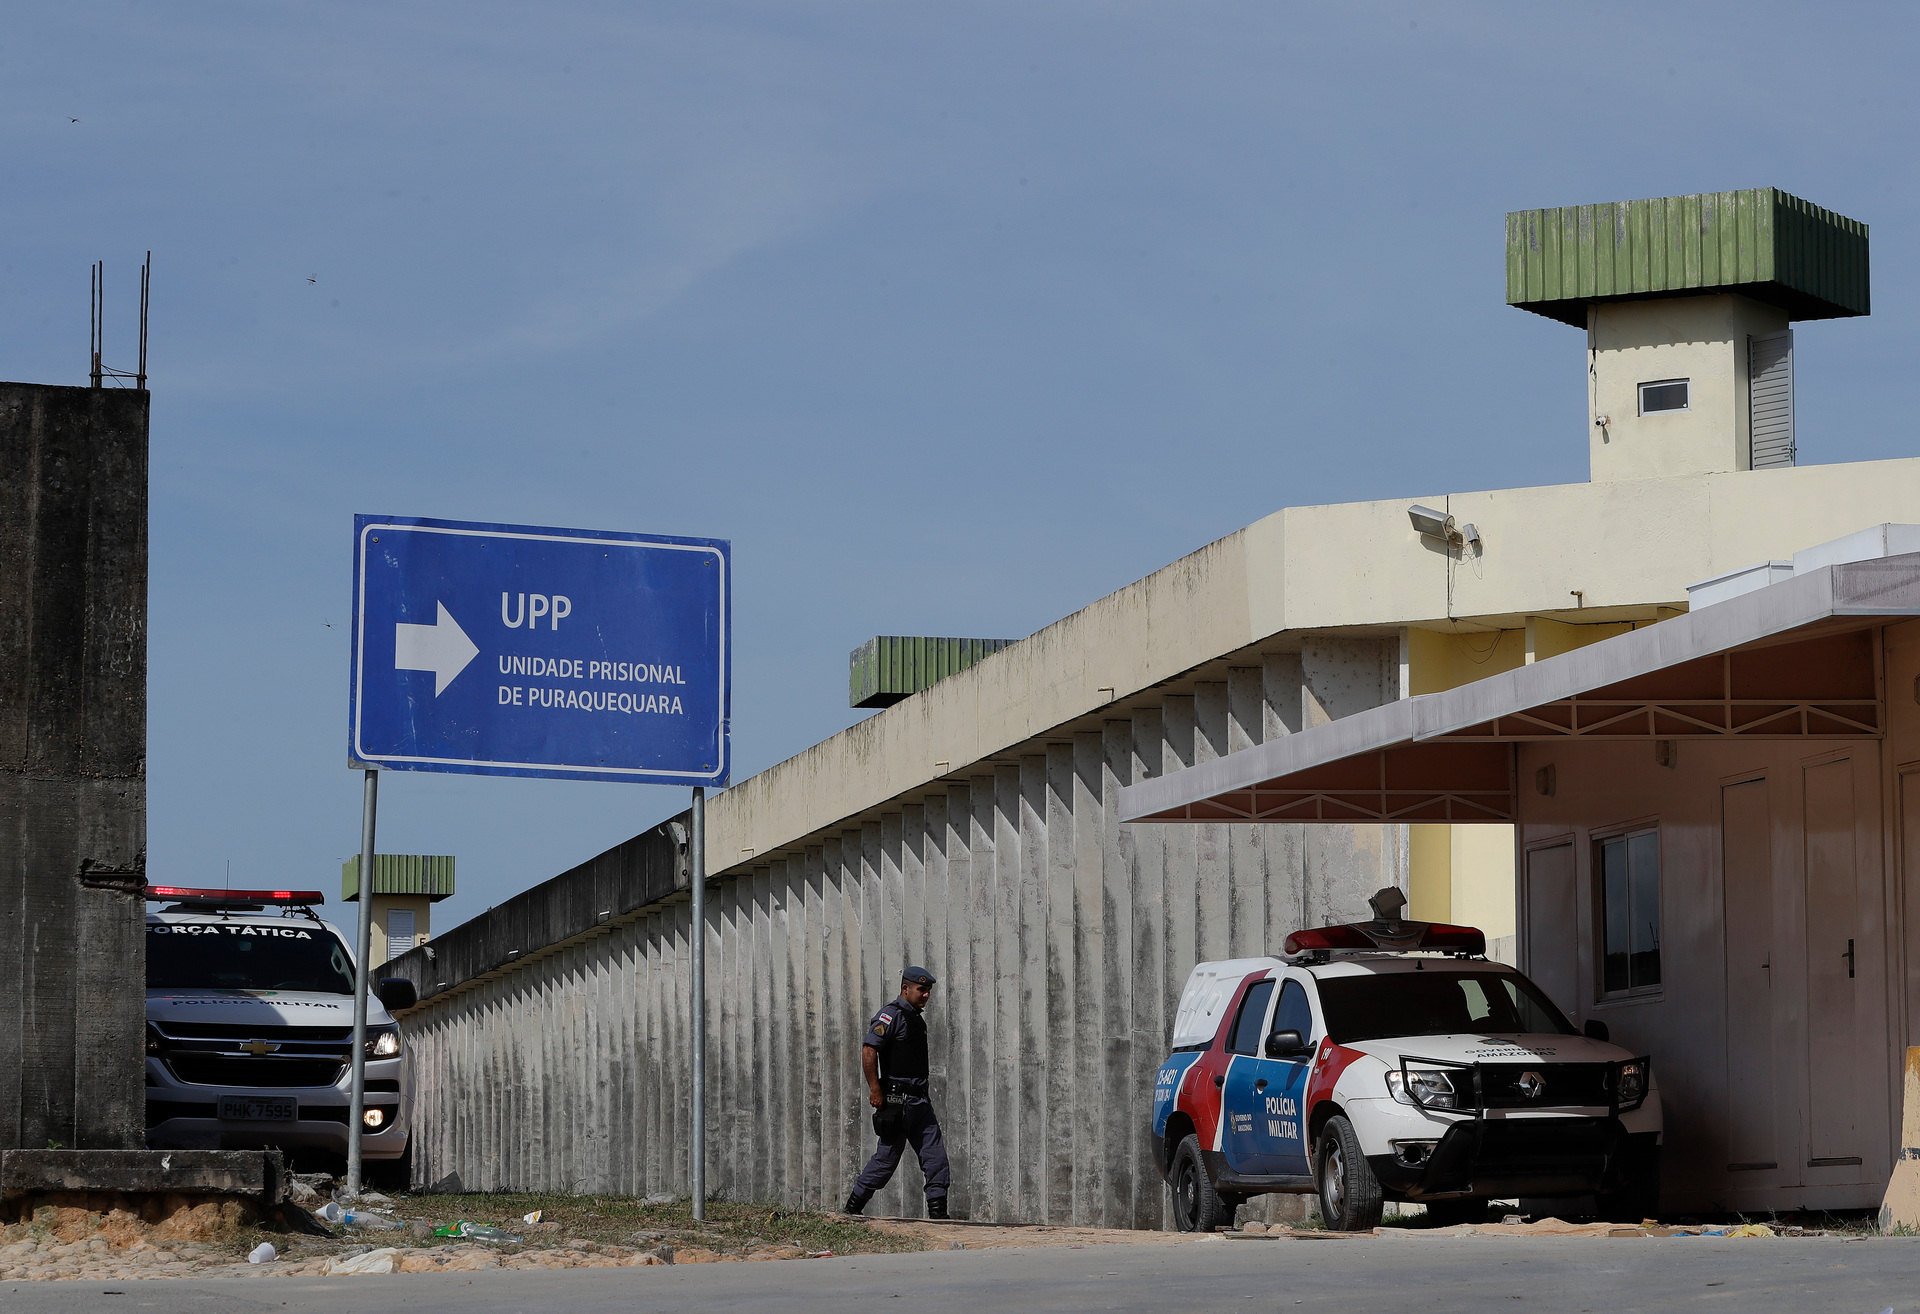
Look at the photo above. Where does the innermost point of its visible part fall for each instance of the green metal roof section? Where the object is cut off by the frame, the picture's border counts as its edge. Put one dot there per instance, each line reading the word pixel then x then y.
pixel 1761 243
pixel 890 667
pixel 430 874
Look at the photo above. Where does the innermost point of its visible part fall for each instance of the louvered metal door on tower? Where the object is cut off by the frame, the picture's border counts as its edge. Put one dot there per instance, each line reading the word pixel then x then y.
pixel 1770 390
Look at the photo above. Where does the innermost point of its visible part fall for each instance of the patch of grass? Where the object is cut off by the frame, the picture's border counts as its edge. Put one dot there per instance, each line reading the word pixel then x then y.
pixel 729 1227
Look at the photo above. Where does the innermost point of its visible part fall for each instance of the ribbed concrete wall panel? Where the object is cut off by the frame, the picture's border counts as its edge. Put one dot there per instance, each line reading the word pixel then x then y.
pixel 1061 940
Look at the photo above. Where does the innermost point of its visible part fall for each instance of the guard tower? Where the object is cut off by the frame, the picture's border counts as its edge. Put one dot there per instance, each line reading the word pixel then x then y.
pixel 405 888
pixel 1688 303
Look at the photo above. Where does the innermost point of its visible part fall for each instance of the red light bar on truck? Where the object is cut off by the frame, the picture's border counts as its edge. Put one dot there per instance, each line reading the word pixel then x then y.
pixel 1392 937
pixel 218 898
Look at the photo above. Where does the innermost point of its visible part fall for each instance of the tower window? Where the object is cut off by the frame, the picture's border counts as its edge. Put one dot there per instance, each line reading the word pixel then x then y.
pixel 1663 395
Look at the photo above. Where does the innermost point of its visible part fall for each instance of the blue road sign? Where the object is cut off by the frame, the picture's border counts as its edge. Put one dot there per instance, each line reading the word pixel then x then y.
pixel 513 650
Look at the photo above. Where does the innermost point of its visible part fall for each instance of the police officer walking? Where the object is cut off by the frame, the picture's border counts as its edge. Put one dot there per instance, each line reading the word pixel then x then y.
pixel 894 1057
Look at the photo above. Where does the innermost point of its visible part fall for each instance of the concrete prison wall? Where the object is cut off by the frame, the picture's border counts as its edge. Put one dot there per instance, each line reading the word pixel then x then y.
pixel 73 732
pixel 1060 938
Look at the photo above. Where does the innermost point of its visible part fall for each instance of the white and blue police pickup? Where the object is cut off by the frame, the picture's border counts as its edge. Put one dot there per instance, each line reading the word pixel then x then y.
pixel 250 1031
pixel 1390 1060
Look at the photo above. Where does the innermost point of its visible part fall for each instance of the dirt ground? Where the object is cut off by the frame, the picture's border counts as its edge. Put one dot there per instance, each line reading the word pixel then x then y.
pixel 984 1236
pixel 96 1238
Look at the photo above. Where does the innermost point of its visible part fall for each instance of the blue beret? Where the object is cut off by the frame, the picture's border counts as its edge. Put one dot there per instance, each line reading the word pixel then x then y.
pixel 917 975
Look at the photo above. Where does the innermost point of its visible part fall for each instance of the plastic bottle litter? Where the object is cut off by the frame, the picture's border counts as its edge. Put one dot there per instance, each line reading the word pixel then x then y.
pixel 330 1212
pixel 450 1229
pixel 477 1232
pixel 264 1253
pixel 372 1222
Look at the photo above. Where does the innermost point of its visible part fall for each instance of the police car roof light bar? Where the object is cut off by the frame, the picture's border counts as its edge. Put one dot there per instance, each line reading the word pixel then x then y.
pixel 1398 937
pixel 216 898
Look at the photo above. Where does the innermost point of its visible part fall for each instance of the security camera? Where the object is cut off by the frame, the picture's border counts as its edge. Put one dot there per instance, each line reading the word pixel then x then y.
pixel 1602 421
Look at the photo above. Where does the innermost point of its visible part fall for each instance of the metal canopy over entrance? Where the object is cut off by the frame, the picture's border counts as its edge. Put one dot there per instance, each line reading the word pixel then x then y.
pixel 1794 660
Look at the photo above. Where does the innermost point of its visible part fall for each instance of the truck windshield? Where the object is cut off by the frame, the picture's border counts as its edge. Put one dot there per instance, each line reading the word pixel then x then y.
pixel 246 956
pixel 1377 1006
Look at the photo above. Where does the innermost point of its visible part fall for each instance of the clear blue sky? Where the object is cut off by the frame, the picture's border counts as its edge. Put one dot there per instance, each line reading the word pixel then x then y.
pixel 953 317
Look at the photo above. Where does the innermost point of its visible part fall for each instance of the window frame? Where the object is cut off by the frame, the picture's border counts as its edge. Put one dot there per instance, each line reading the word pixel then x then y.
pixel 1597 844
pixel 1261 1019
pixel 1311 1034
pixel 1640 396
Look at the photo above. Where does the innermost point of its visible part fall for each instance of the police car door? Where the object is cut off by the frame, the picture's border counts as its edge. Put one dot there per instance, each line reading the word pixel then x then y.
pixel 1281 1119
pixel 1242 1094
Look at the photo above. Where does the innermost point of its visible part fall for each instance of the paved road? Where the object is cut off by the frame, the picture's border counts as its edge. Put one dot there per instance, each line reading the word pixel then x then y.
pixel 1427 1276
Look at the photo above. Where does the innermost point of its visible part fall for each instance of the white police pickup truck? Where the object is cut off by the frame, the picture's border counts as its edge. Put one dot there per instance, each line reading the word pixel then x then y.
pixel 1389 1060
pixel 250 1031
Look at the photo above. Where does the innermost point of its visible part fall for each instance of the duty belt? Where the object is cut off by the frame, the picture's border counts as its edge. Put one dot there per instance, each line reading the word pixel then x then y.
pixel 902 1090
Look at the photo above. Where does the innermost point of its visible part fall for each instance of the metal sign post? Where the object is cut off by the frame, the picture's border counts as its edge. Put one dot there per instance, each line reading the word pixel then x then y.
pixel 521 650
pixel 697 861
pixel 363 950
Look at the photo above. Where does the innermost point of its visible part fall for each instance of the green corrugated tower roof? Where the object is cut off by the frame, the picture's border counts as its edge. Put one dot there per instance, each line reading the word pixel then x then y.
pixel 1761 243
pixel 890 667
pixel 430 874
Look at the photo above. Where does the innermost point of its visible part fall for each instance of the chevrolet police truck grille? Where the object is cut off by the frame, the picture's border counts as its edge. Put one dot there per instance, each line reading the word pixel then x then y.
pixel 245 1070
pixel 249 1031
pixel 1553 1085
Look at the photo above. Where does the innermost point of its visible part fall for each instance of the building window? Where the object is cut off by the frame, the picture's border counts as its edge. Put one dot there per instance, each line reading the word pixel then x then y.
pixel 1662 396
pixel 1629 870
pixel 399 931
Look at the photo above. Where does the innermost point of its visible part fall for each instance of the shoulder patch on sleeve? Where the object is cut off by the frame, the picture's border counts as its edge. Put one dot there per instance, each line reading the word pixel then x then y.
pixel 880 1022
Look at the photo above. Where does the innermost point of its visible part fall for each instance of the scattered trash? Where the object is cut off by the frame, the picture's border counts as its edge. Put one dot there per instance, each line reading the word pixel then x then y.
pixel 372 1222
pixel 373 1261
pixel 660 1198
pixel 264 1253
pixel 533 1217
pixel 330 1212
pixel 1513 1220
pixel 819 1254
pixel 450 1229
pixel 374 1199
pixel 956 1245
pixel 478 1232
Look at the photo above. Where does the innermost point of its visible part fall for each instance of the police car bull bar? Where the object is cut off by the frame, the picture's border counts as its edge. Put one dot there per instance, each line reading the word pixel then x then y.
pixel 1471 1089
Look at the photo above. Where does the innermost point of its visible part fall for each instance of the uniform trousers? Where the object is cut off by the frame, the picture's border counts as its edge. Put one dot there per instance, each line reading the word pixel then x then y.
pixel 923 1133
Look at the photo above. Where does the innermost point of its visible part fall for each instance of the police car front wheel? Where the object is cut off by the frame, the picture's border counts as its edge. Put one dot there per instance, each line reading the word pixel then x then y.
pixel 1350 1196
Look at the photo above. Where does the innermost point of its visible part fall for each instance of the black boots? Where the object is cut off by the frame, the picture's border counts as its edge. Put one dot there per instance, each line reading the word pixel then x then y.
pixel 856 1203
pixel 936 1206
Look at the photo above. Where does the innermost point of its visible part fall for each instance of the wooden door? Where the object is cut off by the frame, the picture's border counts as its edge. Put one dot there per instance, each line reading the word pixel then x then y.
pixel 1754 1089
pixel 1837 1070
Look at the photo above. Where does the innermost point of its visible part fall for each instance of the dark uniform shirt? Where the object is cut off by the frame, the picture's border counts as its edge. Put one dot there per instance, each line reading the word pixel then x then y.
pixel 899 1032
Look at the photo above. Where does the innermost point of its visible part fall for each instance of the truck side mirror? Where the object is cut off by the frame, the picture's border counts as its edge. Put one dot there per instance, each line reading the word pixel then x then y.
pixel 397 992
pixel 1595 1029
pixel 1286 1044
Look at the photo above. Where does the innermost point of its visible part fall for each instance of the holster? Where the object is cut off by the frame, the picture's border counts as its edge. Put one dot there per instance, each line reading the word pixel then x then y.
pixel 890 1119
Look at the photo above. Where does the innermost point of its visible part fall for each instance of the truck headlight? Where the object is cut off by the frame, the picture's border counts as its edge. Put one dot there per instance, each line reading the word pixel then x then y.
pixel 1630 1083
pixel 384 1045
pixel 1428 1088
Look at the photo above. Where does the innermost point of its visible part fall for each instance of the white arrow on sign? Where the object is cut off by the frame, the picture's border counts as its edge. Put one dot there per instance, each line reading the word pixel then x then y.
pixel 442 648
